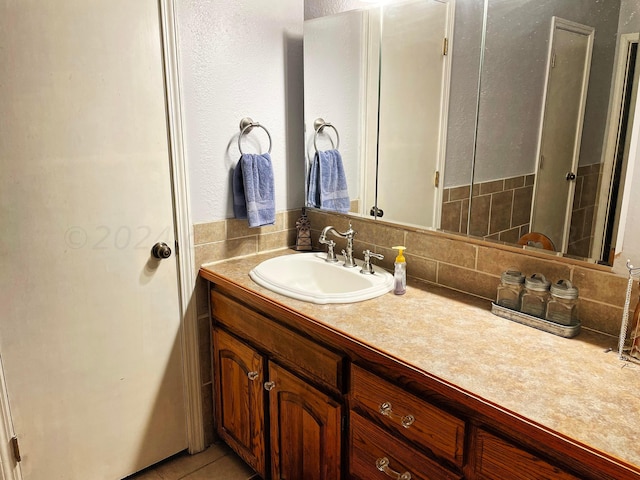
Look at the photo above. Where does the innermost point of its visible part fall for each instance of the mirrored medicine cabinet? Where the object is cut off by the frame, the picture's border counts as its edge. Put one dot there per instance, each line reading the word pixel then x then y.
pixel 479 117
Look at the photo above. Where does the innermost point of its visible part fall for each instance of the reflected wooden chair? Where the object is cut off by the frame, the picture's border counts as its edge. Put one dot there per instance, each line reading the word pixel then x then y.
pixel 538 240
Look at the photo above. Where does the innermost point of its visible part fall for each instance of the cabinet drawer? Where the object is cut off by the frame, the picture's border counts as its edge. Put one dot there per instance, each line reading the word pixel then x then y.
pixel 407 415
pixel 300 354
pixel 496 458
pixel 375 454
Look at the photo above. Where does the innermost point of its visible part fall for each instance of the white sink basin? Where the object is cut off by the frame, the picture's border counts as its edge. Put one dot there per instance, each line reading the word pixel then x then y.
pixel 306 276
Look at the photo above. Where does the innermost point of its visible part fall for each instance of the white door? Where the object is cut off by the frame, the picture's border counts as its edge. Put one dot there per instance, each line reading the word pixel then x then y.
pixel 90 323
pixel 567 78
pixel 413 106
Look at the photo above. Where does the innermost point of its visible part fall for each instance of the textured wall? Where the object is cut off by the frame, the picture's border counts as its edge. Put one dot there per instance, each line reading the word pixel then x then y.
pixel 238 59
pixel 629 16
pixel 513 76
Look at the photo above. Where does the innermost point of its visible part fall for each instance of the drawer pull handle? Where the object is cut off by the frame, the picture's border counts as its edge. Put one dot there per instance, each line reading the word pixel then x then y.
pixel 253 375
pixel 406 421
pixel 382 464
pixel 268 386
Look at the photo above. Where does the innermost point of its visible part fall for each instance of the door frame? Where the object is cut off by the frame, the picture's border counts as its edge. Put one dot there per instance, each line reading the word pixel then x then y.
pixel 558 23
pixel 611 141
pixel 10 469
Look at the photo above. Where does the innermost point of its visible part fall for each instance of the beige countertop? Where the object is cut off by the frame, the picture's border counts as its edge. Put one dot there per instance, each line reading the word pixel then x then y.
pixel 571 386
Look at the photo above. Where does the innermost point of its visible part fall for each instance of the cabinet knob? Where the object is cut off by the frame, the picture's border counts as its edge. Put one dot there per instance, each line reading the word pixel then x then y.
pixel 268 386
pixel 382 464
pixel 405 420
pixel 253 375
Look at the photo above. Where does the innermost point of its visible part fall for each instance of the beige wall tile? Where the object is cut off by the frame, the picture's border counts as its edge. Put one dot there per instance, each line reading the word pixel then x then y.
pixel 500 216
pixel 375 233
pixel 600 286
pixel 465 216
pixel 510 236
pixel 240 228
pixel 514 182
pixel 494 261
pixel 470 281
pixel 451 216
pixel 422 268
pixel 276 240
pixel 598 316
pixel 459 193
pixel 209 232
pixel 589 190
pixel 443 249
pixel 213 252
pixel 491 187
pixel 479 224
pixel 521 206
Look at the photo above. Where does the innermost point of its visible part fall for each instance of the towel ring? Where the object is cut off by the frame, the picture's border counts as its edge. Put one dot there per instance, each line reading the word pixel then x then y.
pixel 246 125
pixel 319 126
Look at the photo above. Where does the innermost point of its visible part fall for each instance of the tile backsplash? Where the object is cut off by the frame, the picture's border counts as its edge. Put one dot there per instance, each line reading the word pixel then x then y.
pixel 459 262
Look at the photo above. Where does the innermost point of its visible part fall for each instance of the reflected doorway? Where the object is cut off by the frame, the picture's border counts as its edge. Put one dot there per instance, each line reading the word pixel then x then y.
pixel 568 67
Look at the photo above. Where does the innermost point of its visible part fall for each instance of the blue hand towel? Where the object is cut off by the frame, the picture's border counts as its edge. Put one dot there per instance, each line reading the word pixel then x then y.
pixel 313 186
pixel 253 189
pixel 332 181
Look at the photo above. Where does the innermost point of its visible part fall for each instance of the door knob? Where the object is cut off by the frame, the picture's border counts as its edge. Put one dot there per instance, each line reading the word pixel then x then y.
pixel 571 176
pixel 161 250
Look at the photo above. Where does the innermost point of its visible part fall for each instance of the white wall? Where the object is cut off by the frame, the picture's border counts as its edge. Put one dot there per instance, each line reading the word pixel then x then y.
pixel 239 59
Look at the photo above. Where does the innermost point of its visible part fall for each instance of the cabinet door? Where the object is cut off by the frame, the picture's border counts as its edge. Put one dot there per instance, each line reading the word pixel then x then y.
pixel 239 398
pixel 305 429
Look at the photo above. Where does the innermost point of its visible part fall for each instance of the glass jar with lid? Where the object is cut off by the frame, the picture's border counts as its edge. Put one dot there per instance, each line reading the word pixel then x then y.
pixel 510 289
pixel 535 295
pixel 562 304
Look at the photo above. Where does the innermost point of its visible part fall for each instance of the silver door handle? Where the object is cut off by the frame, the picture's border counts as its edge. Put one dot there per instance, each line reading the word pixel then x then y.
pixel 161 250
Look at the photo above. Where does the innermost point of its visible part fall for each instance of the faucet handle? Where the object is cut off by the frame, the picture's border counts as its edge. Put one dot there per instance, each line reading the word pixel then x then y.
pixel 331 254
pixel 367 267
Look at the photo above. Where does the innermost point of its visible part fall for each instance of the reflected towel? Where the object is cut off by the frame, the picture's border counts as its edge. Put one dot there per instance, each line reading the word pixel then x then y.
pixel 253 189
pixel 328 182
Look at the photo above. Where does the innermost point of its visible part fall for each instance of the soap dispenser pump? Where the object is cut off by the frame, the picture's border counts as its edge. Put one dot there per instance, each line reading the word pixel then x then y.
pixel 400 272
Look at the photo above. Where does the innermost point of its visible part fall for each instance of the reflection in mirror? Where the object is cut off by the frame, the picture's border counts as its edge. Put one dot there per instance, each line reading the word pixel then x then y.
pixel 537 109
pixel 510 118
pixel 413 105
pixel 381 76
pixel 336 62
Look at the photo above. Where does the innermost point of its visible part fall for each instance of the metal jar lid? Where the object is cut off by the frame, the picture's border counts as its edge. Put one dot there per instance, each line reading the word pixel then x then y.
pixel 512 277
pixel 537 282
pixel 564 289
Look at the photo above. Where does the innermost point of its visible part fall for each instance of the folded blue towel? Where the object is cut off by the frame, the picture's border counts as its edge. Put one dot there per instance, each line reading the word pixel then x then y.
pixel 328 182
pixel 253 189
pixel 313 187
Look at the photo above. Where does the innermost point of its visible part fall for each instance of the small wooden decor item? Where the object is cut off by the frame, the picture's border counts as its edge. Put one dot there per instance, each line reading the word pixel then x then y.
pixel 303 239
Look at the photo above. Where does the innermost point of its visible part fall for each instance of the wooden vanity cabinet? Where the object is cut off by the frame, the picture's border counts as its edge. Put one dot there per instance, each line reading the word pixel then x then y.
pixel 496 458
pixel 239 398
pixel 278 416
pixel 305 429
pixel 297 400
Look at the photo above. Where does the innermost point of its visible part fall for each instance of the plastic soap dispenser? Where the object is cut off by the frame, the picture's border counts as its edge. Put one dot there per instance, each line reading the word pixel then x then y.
pixel 400 272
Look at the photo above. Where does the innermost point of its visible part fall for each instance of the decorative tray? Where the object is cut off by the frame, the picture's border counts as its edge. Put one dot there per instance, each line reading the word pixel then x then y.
pixel 567 331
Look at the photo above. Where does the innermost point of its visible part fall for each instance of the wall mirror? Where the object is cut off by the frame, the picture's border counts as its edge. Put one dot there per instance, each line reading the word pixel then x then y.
pixel 557 82
pixel 554 119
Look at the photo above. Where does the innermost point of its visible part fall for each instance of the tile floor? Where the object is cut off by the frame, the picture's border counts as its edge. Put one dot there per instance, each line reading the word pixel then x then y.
pixel 217 462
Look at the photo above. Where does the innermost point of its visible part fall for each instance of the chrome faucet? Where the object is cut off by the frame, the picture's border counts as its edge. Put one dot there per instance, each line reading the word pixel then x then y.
pixel 367 266
pixel 348 252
